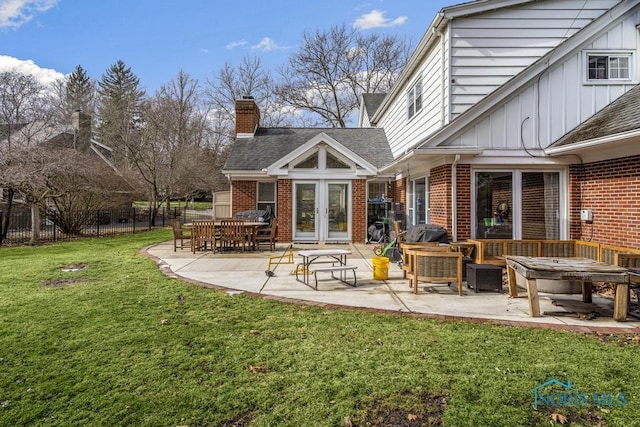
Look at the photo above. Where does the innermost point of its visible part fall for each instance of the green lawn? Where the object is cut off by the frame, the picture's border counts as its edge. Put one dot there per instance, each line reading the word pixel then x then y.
pixel 117 343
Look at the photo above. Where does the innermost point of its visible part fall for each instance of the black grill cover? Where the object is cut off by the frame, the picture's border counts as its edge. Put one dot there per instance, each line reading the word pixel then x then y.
pixel 426 233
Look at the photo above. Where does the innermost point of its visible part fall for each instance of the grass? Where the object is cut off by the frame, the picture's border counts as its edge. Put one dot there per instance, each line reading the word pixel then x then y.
pixel 119 344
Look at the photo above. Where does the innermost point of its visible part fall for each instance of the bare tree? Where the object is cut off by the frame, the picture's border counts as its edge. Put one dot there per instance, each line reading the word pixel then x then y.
pixel 24 117
pixel 232 83
pixel 67 184
pixel 333 68
pixel 175 141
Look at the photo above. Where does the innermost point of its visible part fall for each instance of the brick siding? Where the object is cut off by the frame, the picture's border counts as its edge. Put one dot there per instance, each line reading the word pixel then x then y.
pixel 610 189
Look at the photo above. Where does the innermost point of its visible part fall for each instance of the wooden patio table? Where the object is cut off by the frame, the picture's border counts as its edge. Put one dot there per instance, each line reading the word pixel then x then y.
pixel 558 268
pixel 205 230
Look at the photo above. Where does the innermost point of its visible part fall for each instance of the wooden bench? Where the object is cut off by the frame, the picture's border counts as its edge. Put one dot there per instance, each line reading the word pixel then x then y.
pixel 494 251
pixel 332 269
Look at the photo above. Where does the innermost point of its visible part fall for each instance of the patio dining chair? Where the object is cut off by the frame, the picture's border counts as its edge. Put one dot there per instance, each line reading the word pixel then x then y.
pixel 203 233
pixel 233 234
pixel 180 235
pixel 267 236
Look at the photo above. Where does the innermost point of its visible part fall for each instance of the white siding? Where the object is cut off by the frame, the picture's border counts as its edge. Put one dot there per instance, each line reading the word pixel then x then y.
pixel 558 101
pixel 404 133
pixel 489 49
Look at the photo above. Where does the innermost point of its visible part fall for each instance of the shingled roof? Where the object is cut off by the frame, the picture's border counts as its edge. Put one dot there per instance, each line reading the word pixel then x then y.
pixel 268 145
pixel 371 102
pixel 622 115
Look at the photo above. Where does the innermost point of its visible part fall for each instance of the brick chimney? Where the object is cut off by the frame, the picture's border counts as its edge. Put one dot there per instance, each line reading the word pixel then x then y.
pixel 81 123
pixel 247 117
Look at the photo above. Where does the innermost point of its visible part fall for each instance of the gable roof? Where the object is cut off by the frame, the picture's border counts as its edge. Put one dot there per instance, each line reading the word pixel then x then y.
pixel 526 76
pixel 621 116
pixel 269 145
pixel 371 102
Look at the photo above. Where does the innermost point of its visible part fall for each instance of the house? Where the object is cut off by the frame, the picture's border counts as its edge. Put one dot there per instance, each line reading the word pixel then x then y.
pixel 314 179
pixel 78 136
pixel 511 119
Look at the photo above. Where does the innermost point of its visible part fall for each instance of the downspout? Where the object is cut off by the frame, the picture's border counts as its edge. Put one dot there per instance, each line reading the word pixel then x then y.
pixel 454 197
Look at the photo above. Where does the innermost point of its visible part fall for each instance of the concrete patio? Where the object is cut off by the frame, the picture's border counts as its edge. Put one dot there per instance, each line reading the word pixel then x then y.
pixel 240 272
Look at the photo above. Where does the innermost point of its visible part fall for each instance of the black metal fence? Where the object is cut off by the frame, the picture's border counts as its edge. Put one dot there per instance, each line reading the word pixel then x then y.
pixel 102 223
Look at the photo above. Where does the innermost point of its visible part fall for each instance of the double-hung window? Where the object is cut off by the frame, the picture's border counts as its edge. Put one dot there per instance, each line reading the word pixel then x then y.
pixel 608 66
pixel 414 99
pixel 266 195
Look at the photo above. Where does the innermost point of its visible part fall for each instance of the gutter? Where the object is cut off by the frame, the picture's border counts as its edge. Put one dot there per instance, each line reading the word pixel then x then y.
pixel 432 151
pixel 591 143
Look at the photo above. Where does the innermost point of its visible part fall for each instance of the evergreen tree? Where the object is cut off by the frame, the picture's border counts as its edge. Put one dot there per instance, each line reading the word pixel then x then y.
pixel 120 111
pixel 79 91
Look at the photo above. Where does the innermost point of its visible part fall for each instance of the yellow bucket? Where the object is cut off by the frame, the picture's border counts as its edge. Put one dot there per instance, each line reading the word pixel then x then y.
pixel 380 268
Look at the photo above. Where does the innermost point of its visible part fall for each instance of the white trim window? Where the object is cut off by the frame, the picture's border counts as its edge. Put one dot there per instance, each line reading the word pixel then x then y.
pixel 266 196
pixel 608 67
pixel 414 99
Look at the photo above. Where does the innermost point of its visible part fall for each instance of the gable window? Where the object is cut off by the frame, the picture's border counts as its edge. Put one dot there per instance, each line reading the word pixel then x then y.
pixel 608 66
pixel 266 196
pixel 414 99
pixel 310 162
pixel 334 163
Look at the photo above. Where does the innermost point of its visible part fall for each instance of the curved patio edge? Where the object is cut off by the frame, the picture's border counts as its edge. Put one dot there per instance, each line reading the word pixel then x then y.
pixel 167 267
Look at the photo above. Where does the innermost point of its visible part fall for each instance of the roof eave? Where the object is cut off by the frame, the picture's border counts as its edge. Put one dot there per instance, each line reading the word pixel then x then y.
pixel 592 144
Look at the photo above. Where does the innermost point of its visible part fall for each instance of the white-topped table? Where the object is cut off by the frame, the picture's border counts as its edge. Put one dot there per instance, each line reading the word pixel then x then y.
pixel 324 256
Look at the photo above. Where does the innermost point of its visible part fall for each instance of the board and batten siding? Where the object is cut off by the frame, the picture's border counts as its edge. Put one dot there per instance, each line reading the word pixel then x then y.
pixel 403 132
pixel 559 100
pixel 490 48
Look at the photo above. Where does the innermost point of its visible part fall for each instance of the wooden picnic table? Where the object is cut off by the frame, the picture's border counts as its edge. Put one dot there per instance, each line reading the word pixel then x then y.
pixel 572 268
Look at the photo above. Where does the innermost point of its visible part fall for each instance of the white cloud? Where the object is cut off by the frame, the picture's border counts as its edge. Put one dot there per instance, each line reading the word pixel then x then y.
pixel 233 45
pixel 204 50
pixel 267 45
pixel 45 76
pixel 14 13
pixel 376 19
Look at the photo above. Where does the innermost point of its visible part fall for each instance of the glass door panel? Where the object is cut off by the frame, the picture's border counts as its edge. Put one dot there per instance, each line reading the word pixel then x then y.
pixel 305 218
pixel 338 211
pixel 541 205
pixel 494 202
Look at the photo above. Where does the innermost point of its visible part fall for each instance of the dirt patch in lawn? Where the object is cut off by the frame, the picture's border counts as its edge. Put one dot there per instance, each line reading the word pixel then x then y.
pixel 64 282
pixel 425 409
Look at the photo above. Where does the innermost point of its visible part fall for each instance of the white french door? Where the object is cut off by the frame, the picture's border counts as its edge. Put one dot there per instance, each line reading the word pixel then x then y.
pixel 322 211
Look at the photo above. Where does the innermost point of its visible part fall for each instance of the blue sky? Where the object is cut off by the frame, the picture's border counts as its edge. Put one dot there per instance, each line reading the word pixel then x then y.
pixel 157 38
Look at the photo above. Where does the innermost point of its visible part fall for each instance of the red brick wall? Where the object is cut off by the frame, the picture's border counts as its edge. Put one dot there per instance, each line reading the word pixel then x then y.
pixel 285 210
pixel 463 201
pixel 610 189
pixel 440 196
pixel 243 196
pixel 359 210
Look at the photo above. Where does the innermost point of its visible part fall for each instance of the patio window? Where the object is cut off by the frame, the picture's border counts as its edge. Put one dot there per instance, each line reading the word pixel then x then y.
pixel 514 204
pixel 266 196
pixel 608 67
